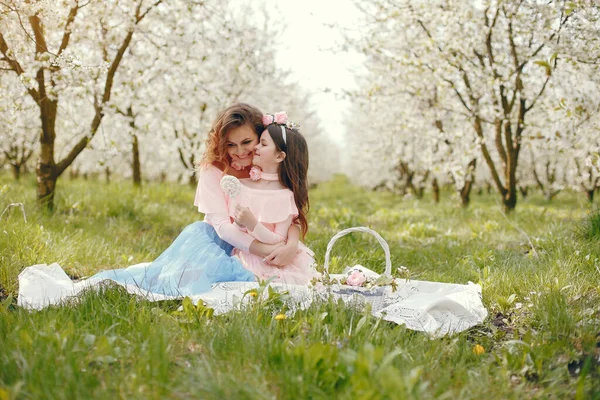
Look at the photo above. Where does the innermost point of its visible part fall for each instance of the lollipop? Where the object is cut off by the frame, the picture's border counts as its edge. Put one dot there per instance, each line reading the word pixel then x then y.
pixel 231 186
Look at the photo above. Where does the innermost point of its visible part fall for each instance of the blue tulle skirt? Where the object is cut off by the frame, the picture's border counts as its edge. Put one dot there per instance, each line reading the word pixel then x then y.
pixel 192 263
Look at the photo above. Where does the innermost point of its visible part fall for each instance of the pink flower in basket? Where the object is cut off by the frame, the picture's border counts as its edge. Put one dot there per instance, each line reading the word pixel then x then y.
pixel 356 278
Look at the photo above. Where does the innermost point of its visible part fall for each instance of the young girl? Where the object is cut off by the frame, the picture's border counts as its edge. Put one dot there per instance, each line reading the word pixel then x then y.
pixel 274 198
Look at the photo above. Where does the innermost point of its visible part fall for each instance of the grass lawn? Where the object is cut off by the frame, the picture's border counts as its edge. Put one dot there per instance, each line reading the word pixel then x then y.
pixel 539 269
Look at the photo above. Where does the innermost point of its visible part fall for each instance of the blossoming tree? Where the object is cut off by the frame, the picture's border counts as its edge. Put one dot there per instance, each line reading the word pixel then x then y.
pixel 49 46
pixel 496 58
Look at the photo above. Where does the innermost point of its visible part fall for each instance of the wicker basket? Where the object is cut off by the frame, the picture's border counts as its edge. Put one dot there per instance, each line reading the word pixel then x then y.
pixel 382 242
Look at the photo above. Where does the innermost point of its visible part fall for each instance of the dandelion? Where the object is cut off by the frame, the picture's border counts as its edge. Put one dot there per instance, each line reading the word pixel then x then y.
pixel 478 350
pixel 252 294
pixel 280 317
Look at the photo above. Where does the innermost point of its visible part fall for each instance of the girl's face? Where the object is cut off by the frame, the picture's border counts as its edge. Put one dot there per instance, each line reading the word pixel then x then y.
pixel 266 154
pixel 240 144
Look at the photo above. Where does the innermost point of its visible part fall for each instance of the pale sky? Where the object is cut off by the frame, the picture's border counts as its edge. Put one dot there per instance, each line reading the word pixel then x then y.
pixel 309 52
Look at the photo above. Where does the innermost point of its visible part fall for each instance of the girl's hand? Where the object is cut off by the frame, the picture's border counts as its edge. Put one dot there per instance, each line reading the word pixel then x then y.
pixel 244 217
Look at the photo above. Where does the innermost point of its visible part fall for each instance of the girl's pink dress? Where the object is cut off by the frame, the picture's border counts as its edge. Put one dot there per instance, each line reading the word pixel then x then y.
pixel 275 210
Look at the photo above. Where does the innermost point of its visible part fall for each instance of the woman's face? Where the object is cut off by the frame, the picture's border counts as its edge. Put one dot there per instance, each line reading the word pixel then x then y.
pixel 240 144
pixel 266 154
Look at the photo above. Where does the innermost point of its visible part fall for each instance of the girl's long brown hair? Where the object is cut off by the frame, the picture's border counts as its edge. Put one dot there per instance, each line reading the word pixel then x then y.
pixel 236 115
pixel 293 170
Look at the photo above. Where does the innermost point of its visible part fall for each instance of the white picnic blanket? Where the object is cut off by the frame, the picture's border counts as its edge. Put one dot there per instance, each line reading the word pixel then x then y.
pixel 433 307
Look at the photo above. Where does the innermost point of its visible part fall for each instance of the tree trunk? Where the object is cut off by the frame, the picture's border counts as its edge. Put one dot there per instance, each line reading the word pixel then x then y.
pixel 465 195
pixel 436 190
pixel 589 194
pixel 419 192
pixel 135 150
pixel 46 167
pixel 524 191
pixel 46 183
pixel 509 200
pixel 193 181
pixel 550 194
pixel 465 192
pixel 16 169
pixel 137 173
pixel 107 174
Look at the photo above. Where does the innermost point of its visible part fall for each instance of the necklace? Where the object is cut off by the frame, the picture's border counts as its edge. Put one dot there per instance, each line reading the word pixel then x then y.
pixel 269 177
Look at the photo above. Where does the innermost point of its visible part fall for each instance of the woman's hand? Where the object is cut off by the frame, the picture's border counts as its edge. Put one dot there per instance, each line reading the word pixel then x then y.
pixel 282 256
pixel 263 250
pixel 244 217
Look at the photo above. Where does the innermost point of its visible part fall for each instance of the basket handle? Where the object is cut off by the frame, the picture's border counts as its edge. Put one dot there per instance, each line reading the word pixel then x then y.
pixel 382 242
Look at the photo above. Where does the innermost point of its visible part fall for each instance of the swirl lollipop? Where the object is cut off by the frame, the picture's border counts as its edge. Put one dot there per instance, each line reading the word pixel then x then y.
pixel 231 186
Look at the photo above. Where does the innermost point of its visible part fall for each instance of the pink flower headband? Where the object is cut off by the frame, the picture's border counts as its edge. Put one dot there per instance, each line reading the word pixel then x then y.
pixel 281 119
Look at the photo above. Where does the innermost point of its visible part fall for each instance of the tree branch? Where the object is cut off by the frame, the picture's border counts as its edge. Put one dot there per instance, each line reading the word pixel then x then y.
pixel 141 17
pixel 460 97
pixel 40 40
pixel 108 84
pixel 15 66
pixel 67 33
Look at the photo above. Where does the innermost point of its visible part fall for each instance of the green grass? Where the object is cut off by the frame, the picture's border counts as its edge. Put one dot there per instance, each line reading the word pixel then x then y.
pixel 541 339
